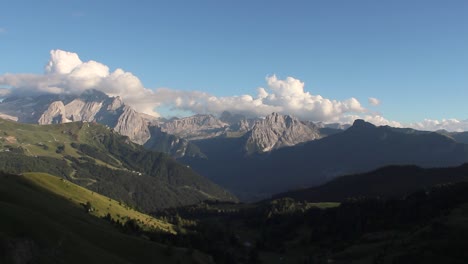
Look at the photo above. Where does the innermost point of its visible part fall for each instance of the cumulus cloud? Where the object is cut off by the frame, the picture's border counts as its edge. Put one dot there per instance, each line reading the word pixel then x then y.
pixel 375 119
pixel 62 62
pixel 374 101
pixel 283 96
pixel 66 73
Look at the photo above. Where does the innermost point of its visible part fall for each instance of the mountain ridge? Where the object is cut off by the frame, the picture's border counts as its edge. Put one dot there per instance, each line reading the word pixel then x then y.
pixel 98 158
pixel 362 147
pixel 277 131
pixel 90 106
pixel 270 133
pixel 390 182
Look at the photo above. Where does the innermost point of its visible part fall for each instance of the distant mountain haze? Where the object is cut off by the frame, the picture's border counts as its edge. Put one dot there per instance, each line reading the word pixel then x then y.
pixel 360 148
pixel 252 157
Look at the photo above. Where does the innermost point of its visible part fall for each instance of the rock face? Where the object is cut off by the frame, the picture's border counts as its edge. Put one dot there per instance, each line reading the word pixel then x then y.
pixel 30 109
pixel 244 125
pixel 55 114
pixel 94 106
pixel 277 131
pixel 171 136
pixel 133 125
pixel 175 146
pixel 195 127
pixel 260 135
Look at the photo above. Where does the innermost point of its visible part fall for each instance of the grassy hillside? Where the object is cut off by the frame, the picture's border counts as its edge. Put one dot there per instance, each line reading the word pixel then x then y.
pixel 101 205
pixel 95 157
pixel 41 226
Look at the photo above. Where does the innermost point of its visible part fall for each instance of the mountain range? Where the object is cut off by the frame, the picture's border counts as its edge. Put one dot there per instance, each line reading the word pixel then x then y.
pixel 93 106
pixel 391 182
pixel 86 181
pixel 252 157
pixel 360 148
pixel 96 157
pixel 171 136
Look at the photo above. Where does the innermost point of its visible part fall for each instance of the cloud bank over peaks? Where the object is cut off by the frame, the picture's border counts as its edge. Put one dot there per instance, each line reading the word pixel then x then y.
pixel 289 95
pixel 444 124
pixel 282 96
pixel 66 73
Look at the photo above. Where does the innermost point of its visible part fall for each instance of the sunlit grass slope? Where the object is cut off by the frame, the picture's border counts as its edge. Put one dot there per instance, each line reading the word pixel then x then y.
pixel 39 140
pixel 97 158
pixel 101 205
pixel 41 226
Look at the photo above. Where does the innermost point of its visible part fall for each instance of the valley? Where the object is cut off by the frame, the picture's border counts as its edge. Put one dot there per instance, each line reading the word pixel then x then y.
pixel 204 189
pixel 233 132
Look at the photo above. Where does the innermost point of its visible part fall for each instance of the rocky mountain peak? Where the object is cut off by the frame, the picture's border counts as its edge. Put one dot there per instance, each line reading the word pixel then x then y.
pixel 276 119
pixel 132 124
pixel 93 95
pixel 55 114
pixel 195 127
pixel 95 106
pixel 276 131
pixel 91 105
pixel 361 124
pixel 116 104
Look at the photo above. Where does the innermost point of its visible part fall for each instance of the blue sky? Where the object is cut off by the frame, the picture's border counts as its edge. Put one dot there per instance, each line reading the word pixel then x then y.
pixel 411 55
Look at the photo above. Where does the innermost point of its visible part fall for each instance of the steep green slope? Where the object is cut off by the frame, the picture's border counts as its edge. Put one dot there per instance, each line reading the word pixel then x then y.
pixel 98 205
pixel 38 226
pixel 95 157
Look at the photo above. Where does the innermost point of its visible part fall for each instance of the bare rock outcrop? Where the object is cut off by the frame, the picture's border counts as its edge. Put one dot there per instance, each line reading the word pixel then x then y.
pixel 195 127
pixel 276 131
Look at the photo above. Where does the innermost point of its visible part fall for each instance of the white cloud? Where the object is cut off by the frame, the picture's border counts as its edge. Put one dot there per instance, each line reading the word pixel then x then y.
pixel 447 124
pixel 66 73
pixel 283 96
pixel 452 125
pixel 62 62
pixel 374 101
pixel 375 119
